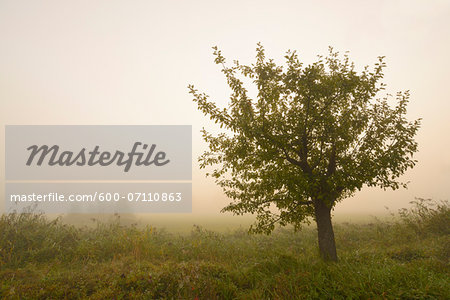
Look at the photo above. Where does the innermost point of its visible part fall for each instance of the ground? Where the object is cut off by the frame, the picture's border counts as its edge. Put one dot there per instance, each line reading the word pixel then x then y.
pixel 405 258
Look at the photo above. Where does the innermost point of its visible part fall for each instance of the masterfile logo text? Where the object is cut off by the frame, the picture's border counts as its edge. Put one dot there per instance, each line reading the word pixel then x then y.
pixel 58 169
pixel 89 152
pixel 90 158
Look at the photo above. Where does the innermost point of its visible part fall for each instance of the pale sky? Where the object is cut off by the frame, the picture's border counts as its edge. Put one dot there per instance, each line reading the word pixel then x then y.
pixel 129 62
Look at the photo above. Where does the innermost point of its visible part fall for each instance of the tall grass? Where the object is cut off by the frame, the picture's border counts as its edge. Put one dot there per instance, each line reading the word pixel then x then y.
pixel 407 258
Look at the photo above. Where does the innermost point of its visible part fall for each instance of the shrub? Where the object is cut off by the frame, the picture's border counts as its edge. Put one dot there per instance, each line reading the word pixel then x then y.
pixel 427 217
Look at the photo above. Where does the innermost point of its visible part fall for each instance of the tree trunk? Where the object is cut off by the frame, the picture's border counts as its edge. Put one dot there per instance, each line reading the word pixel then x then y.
pixel 327 245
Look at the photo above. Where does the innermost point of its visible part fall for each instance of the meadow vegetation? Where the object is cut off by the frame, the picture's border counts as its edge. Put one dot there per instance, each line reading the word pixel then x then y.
pixel 405 258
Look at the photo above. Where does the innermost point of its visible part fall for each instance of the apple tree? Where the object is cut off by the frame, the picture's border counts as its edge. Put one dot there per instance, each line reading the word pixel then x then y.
pixel 311 136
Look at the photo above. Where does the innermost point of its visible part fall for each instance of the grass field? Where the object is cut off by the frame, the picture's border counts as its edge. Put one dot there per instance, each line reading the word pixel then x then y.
pixel 405 258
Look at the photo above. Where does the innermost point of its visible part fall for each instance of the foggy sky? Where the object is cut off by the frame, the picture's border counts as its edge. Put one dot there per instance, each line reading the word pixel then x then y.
pixel 129 62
